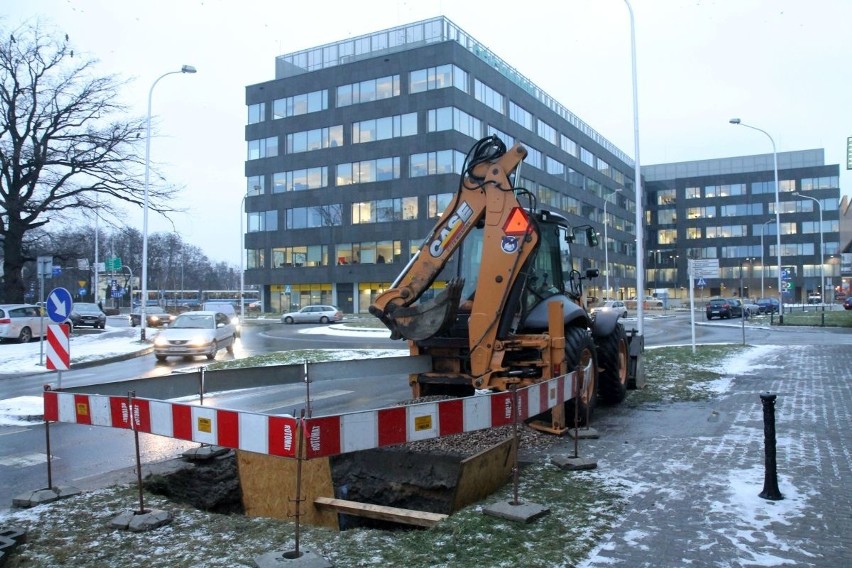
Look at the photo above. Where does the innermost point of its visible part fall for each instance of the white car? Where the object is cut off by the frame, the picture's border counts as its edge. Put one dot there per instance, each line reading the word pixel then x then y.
pixel 313 314
pixel 612 305
pixel 196 333
pixel 21 322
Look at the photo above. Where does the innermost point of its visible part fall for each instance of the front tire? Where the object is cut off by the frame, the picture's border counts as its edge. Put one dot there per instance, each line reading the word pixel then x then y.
pixel 580 351
pixel 323 320
pixel 613 358
pixel 288 320
pixel 160 358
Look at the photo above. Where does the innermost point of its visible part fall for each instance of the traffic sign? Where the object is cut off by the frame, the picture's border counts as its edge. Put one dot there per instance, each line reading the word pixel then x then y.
pixel 45 266
pixel 704 267
pixel 58 347
pixel 59 304
pixel 701 283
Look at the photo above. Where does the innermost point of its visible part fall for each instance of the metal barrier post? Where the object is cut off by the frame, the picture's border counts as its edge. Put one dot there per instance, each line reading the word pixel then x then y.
pixel 131 419
pixel 47 441
pixel 770 481
pixel 577 385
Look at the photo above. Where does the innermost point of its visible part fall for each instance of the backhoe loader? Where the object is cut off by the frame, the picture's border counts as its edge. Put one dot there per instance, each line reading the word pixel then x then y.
pixel 493 296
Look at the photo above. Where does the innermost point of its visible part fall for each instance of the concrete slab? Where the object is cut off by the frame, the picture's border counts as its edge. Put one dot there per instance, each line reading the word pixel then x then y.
pixel 584 433
pixel 571 463
pixel 522 512
pixel 205 453
pixel 135 521
pixel 42 496
pixel 282 558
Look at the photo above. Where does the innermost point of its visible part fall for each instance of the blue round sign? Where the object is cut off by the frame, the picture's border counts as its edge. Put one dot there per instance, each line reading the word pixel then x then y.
pixel 59 305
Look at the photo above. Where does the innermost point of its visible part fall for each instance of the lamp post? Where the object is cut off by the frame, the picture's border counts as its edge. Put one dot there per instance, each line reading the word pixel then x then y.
pixel 143 320
pixel 821 246
pixel 762 265
pixel 637 173
pixel 737 121
pixel 606 243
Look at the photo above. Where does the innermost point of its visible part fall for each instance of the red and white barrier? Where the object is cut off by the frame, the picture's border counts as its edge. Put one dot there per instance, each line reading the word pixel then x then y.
pixel 324 435
pixel 58 353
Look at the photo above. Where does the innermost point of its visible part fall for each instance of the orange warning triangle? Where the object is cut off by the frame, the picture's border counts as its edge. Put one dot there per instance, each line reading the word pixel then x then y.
pixel 518 223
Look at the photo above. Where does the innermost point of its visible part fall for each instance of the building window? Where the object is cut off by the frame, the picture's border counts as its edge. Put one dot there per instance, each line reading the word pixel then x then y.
pixel 708 212
pixel 433 163
pixel 256 113
pixel 667 216
pixel 521 116
pixel 384 210
pixel 451 118
pixel 509 141
pixel 808 184
pixel 262 221
pixel 369 252
pixel 568 145
pixel 317 139
pixel 489 97
pixel 437 204
pixel 255 258
pixel 693 193
pixel 314 217
pixel 666 197
pixel 533 158
pixel 587 157
pixel 437 78
pixel 300 104
pixel 693 233
pixel 742 209
pixel 384 128
pixel 300 180
pixel 255 185
pixel 366 91
pixel 548 132
pixel 299 256
pixel 554 167
pixel 263 148
pixel 667 236
pixel 727 231
pixel 728 190
pixel 381 169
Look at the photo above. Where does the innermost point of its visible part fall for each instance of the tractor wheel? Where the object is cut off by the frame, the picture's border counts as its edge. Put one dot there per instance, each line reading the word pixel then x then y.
pixel 613 357
pixel 580 351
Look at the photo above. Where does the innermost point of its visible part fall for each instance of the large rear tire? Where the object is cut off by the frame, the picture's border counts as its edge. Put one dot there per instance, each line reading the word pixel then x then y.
pixel 580 351
pixel 613 357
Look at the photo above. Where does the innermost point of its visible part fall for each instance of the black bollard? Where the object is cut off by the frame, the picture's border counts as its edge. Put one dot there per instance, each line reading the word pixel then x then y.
pixel 770 481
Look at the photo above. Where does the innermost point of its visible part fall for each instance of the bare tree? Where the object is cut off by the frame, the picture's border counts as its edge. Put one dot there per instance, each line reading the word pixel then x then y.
pixel 65 141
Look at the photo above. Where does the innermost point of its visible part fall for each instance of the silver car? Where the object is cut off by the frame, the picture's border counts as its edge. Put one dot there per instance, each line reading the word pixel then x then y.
pixel 313 314
pixel 21 322
pixel 196 333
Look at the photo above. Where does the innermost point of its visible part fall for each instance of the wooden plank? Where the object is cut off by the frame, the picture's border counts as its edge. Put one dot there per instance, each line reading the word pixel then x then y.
pixel 482 474
pixel 380 512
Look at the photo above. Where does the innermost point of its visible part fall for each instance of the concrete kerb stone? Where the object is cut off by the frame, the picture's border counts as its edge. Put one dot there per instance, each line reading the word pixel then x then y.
pixel 571 463
pixel 584 433
pixel 305 559
pixel 205 453
pixel 42 496
pixel 147 520
pixel 520 512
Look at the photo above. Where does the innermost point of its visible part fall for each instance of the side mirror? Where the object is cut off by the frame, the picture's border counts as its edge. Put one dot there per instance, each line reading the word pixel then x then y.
pixel 591 237
pixel 592 273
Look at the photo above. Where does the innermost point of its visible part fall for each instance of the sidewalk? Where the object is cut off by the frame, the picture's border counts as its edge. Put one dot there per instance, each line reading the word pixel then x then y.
pixel 693 472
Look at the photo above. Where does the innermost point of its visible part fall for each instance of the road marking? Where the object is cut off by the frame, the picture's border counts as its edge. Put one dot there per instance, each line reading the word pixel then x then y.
pixel 13 431
pixel 296 402
pixel 25 460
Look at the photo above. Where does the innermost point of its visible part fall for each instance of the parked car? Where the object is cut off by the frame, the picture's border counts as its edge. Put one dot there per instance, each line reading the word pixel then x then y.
pixel 196 333
pixel 768 305
pixel 21 322
pixel 313 314
pixel 814 299
pixel 148 304
pixel 724 308
pixel 612 305
pixel 751 307
pixel 847 303
pixel 155 316
pixel 256 306
pixel 84 313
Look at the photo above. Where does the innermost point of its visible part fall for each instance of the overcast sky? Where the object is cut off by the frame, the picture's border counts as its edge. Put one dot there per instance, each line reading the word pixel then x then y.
pixel 780 65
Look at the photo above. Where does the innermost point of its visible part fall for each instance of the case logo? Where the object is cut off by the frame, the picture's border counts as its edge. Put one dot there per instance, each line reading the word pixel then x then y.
pixel 451 231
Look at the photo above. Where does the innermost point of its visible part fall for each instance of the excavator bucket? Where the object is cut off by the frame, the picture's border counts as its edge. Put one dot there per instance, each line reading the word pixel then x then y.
pixel 427 319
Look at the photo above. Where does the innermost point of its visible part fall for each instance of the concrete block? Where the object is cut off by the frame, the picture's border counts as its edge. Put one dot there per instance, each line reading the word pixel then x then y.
pixel 521 512
pixel 205 453
pixel 136 521
pixel 571 463
pixel 584 433
pixel 42 496
pixel 285 558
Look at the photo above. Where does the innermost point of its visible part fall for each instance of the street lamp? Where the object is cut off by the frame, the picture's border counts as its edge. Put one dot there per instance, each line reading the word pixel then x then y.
pixel 143 320
pixel 637 173
pixel 737 121
pixel 762 264
pixel 821 245
pixel 606 243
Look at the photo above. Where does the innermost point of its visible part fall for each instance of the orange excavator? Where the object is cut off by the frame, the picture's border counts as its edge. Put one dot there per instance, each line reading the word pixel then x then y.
pixel 493 296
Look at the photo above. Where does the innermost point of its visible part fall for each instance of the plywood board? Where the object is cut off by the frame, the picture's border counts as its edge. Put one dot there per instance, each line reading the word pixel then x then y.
pixel 482 474
pixel 381 512
pixel 269 487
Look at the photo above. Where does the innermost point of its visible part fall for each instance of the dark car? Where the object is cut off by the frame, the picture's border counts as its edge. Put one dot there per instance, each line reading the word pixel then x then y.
pixel 847 303
pixel 724 308
pixel 768 305
pixel 155 316
pixel 87 314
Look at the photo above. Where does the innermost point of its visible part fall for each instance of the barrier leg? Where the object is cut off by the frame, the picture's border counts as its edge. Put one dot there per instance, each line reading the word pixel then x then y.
pixel 575 462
